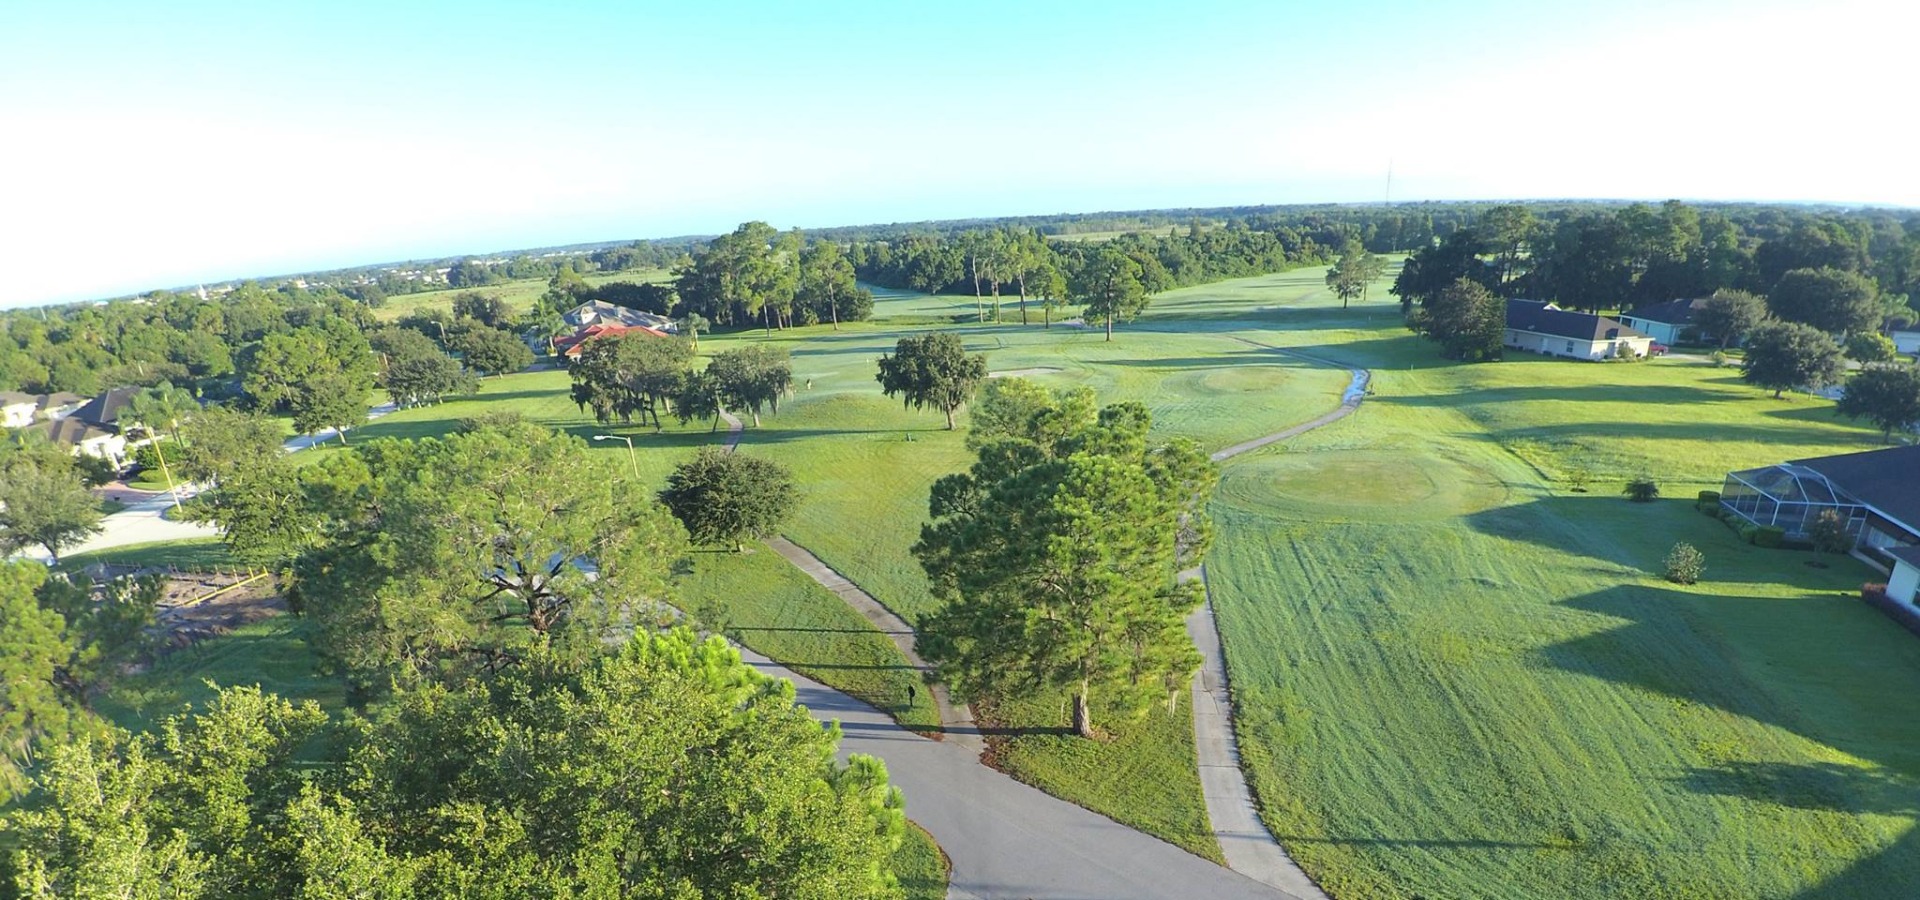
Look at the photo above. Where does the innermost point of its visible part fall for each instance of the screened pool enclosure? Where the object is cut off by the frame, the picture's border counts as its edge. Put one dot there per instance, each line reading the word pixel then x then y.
pixel 1790 498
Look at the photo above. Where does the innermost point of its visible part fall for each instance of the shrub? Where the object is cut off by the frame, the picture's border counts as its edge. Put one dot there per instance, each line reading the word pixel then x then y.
pixel 1769 537
pixel 1719 359
pixel 1685 563
pixel 1642 490
pixel 1829 533
pixel 1709 496
pixel 1578 478
pixel 1746 530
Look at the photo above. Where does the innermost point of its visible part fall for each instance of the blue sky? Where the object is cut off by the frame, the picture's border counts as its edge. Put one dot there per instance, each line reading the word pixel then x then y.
pixel 151 145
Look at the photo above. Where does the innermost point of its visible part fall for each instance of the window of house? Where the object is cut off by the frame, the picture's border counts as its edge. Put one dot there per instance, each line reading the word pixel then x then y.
pixel 1569 346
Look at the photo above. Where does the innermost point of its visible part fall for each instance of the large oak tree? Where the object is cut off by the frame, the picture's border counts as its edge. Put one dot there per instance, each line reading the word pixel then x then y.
pixel 1056 556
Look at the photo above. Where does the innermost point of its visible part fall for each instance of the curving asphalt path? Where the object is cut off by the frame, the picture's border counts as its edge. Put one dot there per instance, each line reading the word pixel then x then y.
pixel 1008 840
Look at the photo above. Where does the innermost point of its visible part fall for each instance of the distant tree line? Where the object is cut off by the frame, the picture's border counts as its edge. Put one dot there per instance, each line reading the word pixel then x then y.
pixel 1837 270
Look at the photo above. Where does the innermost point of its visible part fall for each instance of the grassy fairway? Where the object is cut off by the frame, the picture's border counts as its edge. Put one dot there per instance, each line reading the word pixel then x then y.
pixel 865 465
pixel 1455 678
pixel 767 604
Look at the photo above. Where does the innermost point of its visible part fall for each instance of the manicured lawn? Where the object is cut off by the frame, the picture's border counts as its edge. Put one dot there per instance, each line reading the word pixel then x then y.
pixel 1455 678
pixel 192 555
pixel 767 604
pixel 920 865
pixel 1142 774
pixel 865 465
pixel 270 653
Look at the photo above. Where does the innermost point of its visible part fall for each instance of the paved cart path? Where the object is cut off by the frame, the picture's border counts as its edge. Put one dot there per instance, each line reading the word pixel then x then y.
pixel 1008 840
pixel 1001 860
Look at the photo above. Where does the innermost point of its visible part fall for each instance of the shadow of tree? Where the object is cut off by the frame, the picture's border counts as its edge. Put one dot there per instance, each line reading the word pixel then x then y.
pixel 1643 654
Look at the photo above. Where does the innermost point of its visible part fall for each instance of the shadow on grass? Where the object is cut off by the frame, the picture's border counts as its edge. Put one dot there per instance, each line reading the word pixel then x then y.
pixel 1640 394
pixel 1646 654
pixel 805 630
pixel 1423 843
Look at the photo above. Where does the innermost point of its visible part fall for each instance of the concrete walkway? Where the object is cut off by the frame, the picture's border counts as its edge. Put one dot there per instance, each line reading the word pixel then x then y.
pixel 1349 401
pixel 734 427
pixel 956 722
pixel 1008 840
pixel 1250 849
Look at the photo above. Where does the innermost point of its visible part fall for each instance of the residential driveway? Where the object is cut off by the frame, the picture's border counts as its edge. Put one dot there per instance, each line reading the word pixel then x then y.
pixel 139 523
pixel 1008 840
pixel 142 523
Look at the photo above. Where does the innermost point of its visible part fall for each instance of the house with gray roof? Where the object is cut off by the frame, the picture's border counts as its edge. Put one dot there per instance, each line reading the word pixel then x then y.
pixel 1547 329
pixel 1876 493
pixel 1669 323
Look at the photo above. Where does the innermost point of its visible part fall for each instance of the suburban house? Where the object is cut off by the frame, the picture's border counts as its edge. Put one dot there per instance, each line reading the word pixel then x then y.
pixel 598 317
pixel 1876 493
pixel 1907 342
pixel 1545 328
pixel 94 428
pixel 1669 322
pixel 1904 585
pixel 571 345
pixel 600 312
pixel 19 410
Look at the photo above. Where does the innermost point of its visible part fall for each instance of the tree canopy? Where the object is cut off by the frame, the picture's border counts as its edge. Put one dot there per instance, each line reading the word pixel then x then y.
pixel 1466 320
pixel 1783 356
pixel 446 558
pixel 752 377
pixel 1056 556
pixel 1730 315
pixel 669 769
pixel 726 498
pixel 1834 301
pixel 1886 394
pixel 627 375
pixel 44 501
pixel 1109 285
pixel 932 370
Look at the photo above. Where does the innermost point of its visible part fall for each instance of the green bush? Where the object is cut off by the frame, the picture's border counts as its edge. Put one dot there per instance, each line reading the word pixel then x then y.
pixel 1642 490
pixel 1710 497
pixel 1746 530
pixel 1685 563
pixel 1769 537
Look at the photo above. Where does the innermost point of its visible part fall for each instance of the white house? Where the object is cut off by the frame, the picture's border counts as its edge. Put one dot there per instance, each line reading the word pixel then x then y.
pixel 1669 323
pixel 17 410
pixel 1545 328
pixel 1904 584
pixel 1907 342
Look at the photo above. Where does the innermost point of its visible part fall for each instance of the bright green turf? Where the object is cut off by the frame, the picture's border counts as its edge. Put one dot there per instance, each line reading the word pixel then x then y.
pixel 193 555
pixel 864 485
pixel 1454 678
pixel 269 653
pixel 774 608
pixel 1142 774
pixel 920 865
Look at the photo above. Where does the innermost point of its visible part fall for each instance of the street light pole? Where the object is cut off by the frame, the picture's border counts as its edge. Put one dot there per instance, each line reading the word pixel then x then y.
pixel 632 458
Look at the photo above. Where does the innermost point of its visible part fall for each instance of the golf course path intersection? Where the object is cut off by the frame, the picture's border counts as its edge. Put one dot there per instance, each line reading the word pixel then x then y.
pixel 956 722
pixel 1008 840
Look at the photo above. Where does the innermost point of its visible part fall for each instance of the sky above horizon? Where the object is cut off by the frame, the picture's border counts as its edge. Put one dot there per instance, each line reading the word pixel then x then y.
pixel 156 145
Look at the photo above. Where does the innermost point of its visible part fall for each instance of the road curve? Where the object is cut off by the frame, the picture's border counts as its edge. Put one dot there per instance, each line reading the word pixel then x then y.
pixel 1008 840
